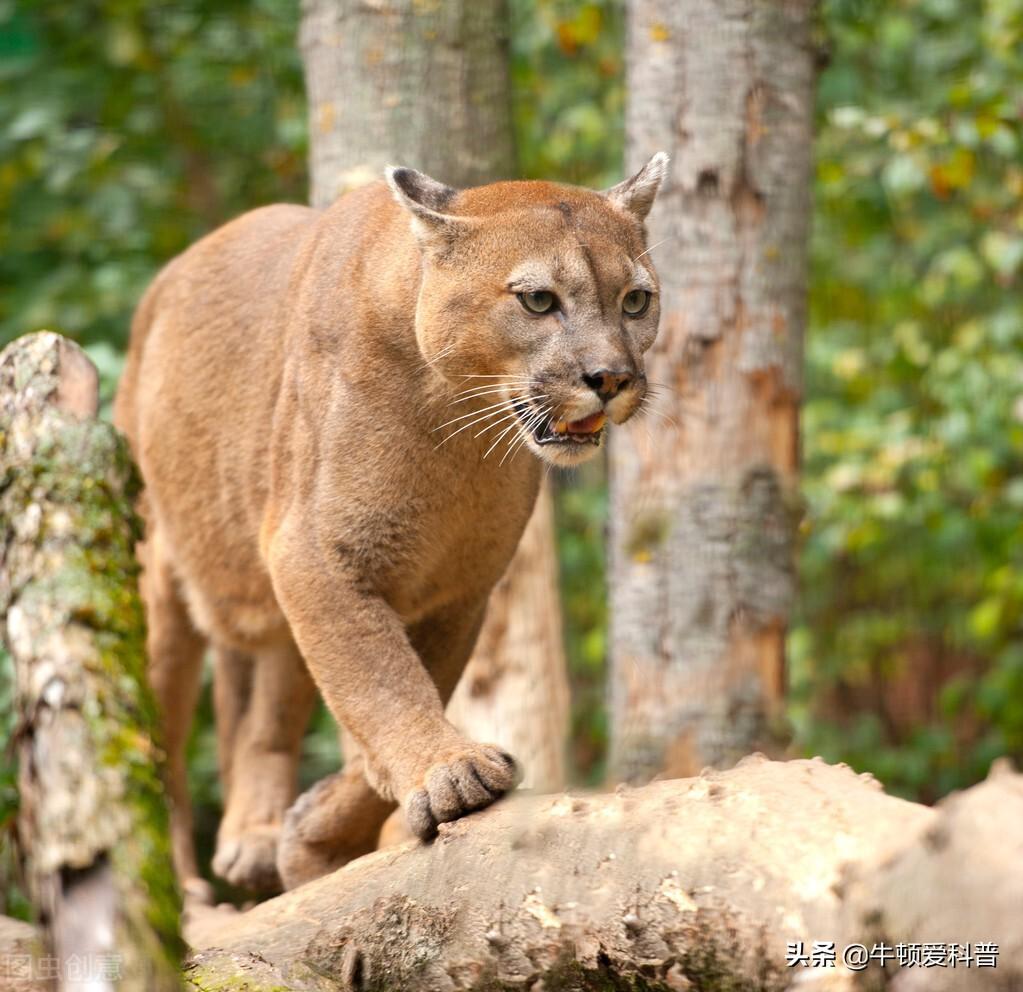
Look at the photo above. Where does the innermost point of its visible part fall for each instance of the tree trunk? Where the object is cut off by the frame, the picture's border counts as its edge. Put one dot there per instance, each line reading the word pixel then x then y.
pixel 92 824
pixel 703 511
pixel 699 884
pixel 426 85
pixel 515 689
pixel 405 82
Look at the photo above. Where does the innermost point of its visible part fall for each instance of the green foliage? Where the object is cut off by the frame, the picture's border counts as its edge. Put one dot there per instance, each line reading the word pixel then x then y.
pixel 567 66
pixel 580 520
pixel 908 656
pixel 127 130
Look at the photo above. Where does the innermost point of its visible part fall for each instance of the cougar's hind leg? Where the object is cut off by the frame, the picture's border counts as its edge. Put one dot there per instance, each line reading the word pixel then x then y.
pixel 232 692
pixel 175 651
pixel 334 822
pixel 263 770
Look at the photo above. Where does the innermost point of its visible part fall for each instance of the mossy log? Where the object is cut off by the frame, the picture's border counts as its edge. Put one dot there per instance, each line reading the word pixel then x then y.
pixel 695 884
pixel 92 822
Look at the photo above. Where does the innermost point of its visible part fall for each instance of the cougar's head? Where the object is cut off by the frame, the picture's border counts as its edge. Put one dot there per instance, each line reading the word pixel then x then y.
pixel 536 305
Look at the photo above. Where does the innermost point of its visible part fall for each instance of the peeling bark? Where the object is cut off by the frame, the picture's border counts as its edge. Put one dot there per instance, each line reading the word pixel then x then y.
pixel 92 824
pixel 426 85
pixel 690 884
pixel 703 510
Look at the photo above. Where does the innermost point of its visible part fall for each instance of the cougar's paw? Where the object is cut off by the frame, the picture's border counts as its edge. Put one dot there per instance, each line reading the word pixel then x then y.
pixel 312 817
pixel 197 891
pixel 299 862
pixel 464 781
pixel 249 860
pixel 334 822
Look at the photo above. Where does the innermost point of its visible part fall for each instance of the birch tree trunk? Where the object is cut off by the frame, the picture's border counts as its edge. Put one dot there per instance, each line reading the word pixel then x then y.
pixel 703 514
pixel 426 85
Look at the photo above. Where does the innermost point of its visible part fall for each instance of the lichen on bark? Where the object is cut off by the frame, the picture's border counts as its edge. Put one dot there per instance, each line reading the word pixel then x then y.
pixel 89 782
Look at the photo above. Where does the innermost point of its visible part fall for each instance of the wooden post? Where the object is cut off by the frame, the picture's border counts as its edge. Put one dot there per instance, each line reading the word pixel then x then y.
pixel 92 824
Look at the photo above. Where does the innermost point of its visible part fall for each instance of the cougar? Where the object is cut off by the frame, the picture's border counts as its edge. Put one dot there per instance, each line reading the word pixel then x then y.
pixel 341 418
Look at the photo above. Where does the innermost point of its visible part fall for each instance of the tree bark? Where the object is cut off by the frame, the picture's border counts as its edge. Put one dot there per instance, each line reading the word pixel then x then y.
pixel 404 82
pixel 426 85
pixel 92 824
pixel 21 949
pixel 515 688
pixel 696 884
pixel 703 511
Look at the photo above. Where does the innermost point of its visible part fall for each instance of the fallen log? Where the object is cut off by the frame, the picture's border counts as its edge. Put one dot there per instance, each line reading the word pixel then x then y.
pixel 737 880
pixel 92 821
pixel 709 883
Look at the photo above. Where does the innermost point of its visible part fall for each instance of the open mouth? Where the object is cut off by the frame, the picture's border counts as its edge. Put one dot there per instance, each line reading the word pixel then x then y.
pixel 588 430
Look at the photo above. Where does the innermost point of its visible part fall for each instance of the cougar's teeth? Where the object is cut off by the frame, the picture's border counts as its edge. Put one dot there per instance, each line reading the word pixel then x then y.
pixel 588 425
pixel 561 427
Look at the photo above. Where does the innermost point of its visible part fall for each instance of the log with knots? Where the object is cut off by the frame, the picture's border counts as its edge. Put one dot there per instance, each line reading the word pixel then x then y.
pixel 740 879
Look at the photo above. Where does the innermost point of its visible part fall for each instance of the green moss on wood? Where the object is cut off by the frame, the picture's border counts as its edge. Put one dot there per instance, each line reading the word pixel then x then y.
pixel 84 482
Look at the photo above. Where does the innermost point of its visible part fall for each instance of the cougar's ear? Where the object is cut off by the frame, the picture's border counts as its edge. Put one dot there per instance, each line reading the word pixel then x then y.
pixel 636 195
pixel 426 200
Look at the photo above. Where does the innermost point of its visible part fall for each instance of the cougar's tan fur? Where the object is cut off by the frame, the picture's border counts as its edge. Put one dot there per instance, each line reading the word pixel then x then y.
pixel 314 507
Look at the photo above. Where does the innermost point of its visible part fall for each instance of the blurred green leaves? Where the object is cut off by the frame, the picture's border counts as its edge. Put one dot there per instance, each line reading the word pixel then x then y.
pixel 567 67
pixel 127 130
pixel 906 659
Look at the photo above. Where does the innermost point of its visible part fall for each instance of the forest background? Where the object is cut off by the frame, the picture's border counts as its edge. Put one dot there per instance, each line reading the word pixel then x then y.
pixel 128 129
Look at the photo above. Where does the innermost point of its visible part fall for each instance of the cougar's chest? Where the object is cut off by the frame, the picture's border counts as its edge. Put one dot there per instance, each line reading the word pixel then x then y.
pixel 461 534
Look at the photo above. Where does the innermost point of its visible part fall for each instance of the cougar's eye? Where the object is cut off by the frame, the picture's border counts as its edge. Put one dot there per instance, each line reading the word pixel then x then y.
pixel 541 302
pixel 636 302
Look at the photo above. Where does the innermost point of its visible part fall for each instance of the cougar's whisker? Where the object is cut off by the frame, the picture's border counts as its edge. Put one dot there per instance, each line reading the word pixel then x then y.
pixel 652 247
pixel 527 430
pixel 660 413
pixel 436 358
pixel 482 391
pixel 524 426
pixel 514 413
pixel 525 437
pixel 476 375
pixel 516 443
pixel 486 416
pixel 471 413
pixel 497 423
pixel 663 385
pixel 511 426
pixel 687 409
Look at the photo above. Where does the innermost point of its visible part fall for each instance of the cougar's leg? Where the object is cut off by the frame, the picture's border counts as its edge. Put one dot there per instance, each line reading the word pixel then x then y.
pixel 340 818
pixel 334 822
pixel 175 651
pixel 263 768
pixel 232 692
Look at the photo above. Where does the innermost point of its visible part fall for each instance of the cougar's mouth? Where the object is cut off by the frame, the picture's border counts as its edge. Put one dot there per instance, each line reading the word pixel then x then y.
pixel 548 430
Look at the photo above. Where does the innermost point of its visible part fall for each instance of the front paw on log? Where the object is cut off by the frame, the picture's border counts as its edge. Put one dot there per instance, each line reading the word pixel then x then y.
pixel 459 783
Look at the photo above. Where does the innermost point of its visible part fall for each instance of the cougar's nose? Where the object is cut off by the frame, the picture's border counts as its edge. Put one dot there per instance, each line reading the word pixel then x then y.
pixel 606 384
